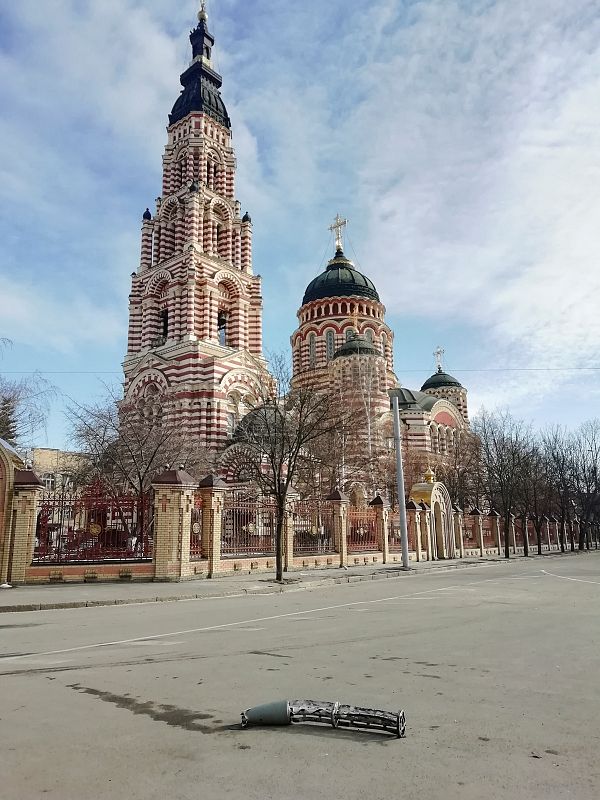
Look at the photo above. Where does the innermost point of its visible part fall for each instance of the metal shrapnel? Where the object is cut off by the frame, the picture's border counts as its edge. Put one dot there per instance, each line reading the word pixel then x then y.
pixel 290 712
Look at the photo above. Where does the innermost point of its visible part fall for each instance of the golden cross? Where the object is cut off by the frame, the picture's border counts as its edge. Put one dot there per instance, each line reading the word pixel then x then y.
pixel 337 227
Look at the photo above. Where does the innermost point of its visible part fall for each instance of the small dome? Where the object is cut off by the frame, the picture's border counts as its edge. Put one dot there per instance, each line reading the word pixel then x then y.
pixel 340 279
pixel 357 346
pixel 441 380
pixel 407 398
pixel 147 214
pixel 259 424
pixel 246 217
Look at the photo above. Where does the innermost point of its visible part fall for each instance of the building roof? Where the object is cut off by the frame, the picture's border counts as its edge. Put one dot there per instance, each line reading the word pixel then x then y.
pixel 201 84
pixel 357 345
pixel 440 380
pixel 340 279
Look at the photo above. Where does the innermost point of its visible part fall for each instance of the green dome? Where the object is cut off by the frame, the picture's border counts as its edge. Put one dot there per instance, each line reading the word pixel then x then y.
pixel 441 380
pixel 340 279
pixel 357 346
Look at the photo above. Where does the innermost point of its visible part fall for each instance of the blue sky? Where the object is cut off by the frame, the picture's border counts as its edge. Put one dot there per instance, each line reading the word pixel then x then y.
pixel 461 139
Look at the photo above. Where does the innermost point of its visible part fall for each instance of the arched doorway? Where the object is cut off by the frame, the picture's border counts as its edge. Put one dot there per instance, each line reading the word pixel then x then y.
pixel 438 531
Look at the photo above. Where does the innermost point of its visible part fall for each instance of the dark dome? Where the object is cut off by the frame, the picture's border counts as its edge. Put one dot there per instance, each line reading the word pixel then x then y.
pixel 340 279
pixel 407 398
pixel 147 214
pixel 357 346
pixel 441 380
pixel 259 424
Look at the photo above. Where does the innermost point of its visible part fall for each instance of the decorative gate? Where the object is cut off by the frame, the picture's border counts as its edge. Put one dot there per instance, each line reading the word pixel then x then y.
pixel 248 527
pixel 313 527
pixel 93 526
pixel 362 530
pixel 395 537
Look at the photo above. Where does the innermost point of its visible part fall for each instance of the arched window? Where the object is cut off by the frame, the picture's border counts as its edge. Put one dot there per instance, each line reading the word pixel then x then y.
pixel 49 481
pixel 330 344
pixel 369 335
pixel 349 332
pixel 312 351
pixel 222 320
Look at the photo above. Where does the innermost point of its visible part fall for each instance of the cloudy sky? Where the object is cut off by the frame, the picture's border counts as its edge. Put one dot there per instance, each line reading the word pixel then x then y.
pixel 460 137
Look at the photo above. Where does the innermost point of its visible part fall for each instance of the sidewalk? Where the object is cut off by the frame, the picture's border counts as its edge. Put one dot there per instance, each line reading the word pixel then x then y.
pixel 41 598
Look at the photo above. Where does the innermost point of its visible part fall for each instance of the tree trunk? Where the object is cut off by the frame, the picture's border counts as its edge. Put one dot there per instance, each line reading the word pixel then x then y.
pixel 538 533
pixel 507 533
pixel 582 527
pixel 563 532
pixel 525 534
pixel 279 543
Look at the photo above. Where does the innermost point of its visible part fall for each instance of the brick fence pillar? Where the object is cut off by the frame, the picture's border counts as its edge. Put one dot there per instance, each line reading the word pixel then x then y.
pixel 212 491
pixel 478 521
pixel 381 523
pixel 340 524
pixel 426 529
pixel 173 506
pixel 512 533
pixel 495 518
pixel 288 531
pixel 547 527
pixel 459 530
pixel 27 491
pixel 413 524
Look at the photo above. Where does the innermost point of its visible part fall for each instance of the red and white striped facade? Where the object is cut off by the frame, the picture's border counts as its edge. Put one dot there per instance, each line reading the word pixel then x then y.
pixel 195 308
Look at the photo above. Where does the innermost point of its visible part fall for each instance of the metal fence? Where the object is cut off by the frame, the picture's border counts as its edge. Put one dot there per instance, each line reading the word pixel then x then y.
pixel 489 532
pixel 313 527
pixel 394 535
pixel 362 530
pixel 93 526
pixel 248 527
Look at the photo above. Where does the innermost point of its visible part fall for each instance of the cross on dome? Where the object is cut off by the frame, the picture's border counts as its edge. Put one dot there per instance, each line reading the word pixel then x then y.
pixel 337 228
pixel 439 358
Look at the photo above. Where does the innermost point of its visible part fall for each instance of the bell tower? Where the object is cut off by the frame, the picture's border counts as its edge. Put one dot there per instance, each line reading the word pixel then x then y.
pixel 195 308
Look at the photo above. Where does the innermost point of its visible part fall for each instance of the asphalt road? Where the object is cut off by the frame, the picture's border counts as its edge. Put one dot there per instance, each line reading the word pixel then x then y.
pixel 496 667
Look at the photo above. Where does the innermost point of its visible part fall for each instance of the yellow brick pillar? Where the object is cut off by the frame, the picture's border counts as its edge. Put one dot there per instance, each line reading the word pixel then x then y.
pixel 413 523
pixel 288 531
pixel 381 522
pixel 212 491
pixel 547 527
pixel 173 505
pixel 459 530
pixel 495 518
pixel 426 529
pixel 478 522
pixel 340 525
pixel 27 491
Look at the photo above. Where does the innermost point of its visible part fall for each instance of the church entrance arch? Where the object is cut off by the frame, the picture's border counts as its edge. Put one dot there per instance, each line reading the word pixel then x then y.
pixel 436 496
pixel 438 531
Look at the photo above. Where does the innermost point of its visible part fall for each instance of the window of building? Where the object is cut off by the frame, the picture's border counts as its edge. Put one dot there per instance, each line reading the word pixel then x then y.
pixel 222 328
pixel 330 344
pixel 349 332
pixel 49 481
pixel 369 335
pixel 312 350
pixel 164 323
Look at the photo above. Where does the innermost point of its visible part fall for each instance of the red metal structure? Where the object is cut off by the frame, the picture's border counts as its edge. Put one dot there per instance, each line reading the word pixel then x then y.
pixel 362 530
pixel 313 527
pixel 93 526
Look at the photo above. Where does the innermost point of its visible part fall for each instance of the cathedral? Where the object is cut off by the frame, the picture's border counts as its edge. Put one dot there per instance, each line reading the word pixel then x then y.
pixel 195 307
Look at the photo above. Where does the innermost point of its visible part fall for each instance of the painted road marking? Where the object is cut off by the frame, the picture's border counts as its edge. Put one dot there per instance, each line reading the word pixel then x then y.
pixel 566 578
pixel 242 623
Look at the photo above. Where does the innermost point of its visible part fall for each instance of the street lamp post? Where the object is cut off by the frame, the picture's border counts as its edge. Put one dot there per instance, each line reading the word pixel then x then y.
pixel 400 478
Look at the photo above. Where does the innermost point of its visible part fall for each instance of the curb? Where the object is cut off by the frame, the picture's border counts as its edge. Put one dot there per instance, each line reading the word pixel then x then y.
pixel 263 590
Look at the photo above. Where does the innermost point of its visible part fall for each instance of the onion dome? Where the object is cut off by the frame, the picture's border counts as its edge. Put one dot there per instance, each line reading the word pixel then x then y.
pixel 147 215
pixel 357 346
pixel 201 84
pixel 441 380
pixel 246 217
pixel 340 279
pixel 407 398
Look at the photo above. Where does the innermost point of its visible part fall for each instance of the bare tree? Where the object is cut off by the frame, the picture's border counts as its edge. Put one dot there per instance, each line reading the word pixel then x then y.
pixel 24 407
pixel 585 476
pixel 278 437
pixel 460 469
pixel 505 445
pixel 125 445
pixel 558 445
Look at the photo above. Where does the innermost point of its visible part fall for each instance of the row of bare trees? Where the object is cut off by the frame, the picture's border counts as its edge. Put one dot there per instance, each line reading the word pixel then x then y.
pixel 506 465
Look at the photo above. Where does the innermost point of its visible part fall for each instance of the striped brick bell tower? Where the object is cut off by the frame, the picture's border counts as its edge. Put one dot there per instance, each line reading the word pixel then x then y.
pixel 195 309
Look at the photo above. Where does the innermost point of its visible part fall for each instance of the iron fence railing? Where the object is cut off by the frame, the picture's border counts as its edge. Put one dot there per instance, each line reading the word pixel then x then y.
pixel 313 527
pixel 362 530
pixel 248 527
pixel 93 526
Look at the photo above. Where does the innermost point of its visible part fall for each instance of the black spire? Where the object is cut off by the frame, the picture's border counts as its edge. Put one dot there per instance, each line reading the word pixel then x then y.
pixel 200 82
